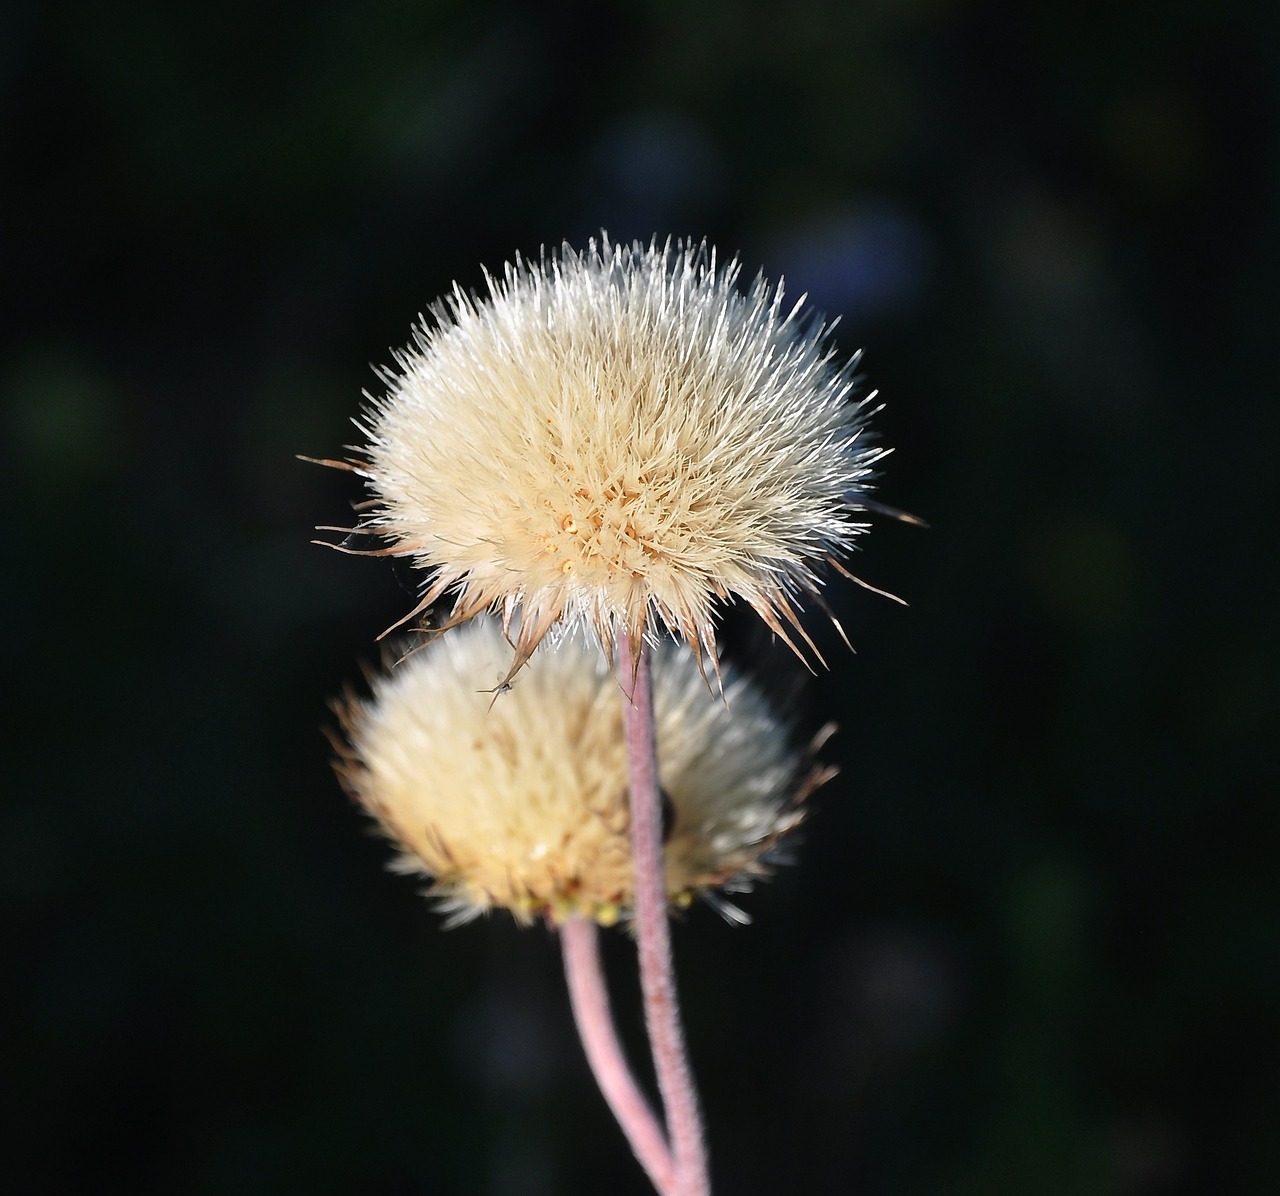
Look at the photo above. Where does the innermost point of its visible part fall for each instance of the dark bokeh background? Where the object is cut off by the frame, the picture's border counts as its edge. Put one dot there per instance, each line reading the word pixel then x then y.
pixel 1031 942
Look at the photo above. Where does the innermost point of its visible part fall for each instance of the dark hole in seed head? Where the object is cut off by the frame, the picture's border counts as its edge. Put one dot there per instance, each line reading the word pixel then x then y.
pixel 668 815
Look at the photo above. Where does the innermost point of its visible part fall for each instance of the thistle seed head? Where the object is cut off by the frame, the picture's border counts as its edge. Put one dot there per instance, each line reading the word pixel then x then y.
pixel 520 800
pixel 617 433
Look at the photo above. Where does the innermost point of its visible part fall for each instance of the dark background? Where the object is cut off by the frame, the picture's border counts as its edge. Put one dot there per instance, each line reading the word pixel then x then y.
pixel 1030 945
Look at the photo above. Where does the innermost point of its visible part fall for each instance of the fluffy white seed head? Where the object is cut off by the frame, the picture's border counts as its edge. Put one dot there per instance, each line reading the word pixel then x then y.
pixel 617 432
pixel 520 799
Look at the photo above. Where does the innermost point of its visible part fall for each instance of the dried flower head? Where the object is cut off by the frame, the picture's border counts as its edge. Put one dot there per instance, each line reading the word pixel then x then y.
pixel 617 432
pixel 522 802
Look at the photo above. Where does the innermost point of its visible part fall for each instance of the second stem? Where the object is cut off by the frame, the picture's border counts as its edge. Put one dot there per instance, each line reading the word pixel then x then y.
pixel 653 935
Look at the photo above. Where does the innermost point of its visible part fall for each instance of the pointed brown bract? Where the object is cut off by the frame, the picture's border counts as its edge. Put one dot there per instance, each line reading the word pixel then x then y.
pixel 866 585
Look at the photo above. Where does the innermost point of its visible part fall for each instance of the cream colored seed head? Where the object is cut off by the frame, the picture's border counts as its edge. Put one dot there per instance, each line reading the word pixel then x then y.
pixel 519 800
pixel 614 433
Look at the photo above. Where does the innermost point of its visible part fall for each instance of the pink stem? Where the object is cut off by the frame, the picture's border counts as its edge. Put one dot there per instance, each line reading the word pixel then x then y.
pixel 653 937
pixel 590 1000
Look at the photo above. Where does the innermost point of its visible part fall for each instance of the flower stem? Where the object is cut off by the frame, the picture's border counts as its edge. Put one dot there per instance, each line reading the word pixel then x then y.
pixel 589 997
pixel 653 936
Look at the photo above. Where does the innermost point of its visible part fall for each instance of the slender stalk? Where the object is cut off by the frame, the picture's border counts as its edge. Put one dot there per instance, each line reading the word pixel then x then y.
pixel 653 935
pixel 589 997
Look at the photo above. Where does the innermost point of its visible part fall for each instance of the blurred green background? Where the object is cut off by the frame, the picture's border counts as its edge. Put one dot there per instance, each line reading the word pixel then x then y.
pixel 1030 944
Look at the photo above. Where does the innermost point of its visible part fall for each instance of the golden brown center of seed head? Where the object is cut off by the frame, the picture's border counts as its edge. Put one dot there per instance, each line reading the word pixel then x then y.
pixel 600 533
